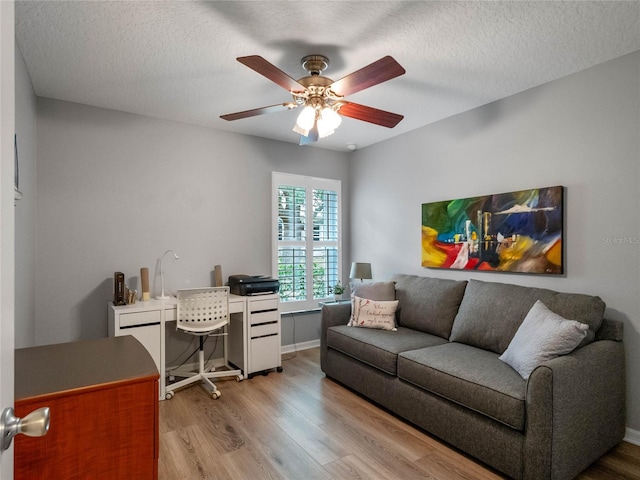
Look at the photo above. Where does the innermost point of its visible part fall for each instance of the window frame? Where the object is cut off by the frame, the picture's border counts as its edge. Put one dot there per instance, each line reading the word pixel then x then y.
pixel 309 184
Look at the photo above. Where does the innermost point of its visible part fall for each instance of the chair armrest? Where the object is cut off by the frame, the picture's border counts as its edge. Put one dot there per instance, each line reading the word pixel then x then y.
pixel 575 410
pixel 331 315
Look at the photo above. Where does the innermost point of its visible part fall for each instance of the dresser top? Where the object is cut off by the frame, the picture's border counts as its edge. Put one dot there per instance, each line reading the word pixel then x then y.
pixel 91 364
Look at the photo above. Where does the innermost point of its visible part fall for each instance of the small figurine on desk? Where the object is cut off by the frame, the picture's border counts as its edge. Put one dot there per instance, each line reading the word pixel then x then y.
pixel 131 296
pixel 144 281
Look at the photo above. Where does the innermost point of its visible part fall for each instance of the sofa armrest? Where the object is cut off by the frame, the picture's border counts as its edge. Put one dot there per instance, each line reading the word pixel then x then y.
pixel 331 315
pixel 610 330
pixel 575 410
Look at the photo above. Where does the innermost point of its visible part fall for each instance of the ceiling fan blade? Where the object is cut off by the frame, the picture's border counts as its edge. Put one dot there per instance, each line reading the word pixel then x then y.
pixel 259 111
pixel 273 73
pixel 370 114
pixel 312 137
pixel 377 72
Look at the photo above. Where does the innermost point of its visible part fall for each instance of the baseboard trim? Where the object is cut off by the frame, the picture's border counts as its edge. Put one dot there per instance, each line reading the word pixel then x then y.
pixel 632 436
pixel 299 346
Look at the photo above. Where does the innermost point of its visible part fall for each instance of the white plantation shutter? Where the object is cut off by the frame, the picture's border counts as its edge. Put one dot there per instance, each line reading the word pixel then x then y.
pixel 306 230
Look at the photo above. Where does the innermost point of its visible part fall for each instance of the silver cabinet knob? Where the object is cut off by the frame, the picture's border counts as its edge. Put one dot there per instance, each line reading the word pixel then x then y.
pixel 35 424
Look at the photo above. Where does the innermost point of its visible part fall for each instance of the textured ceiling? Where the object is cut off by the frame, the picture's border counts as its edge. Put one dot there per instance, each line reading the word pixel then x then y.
pixel 176 59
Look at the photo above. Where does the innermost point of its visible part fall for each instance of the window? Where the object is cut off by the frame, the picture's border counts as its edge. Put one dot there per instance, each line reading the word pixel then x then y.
pixel 307 257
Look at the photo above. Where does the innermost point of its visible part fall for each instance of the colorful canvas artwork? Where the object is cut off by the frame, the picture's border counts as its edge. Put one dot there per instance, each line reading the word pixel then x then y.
pixel 507 232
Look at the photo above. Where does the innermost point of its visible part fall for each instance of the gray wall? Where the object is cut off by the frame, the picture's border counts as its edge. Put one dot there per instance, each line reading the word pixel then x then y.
pixel 115 190
pixel 25 209
pixel 582 132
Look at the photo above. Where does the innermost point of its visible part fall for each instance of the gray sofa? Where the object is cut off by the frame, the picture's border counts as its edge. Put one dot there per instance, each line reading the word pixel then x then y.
pixel 440 371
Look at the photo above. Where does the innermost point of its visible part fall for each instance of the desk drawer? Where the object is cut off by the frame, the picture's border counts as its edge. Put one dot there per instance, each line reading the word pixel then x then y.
pixel 266 329
pixel 170 315
pixel 265 317
pixel 139 318
pixel 261 305
pixel 236 307
pixel 265 353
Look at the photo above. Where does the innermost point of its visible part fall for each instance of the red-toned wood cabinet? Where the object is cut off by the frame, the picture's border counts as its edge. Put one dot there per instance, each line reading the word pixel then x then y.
pixel 103 401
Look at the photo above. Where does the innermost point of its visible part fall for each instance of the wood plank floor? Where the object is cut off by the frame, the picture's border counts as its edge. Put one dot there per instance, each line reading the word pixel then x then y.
pixel 298 425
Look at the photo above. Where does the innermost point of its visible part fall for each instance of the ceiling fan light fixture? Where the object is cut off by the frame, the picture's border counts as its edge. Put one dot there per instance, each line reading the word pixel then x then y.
pixel 305 120
pixel 321 98
pixel 328 121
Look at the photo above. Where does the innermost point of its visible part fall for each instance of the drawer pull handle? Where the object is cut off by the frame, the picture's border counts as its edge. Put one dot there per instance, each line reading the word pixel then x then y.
pixel 35 424
pixel 264 336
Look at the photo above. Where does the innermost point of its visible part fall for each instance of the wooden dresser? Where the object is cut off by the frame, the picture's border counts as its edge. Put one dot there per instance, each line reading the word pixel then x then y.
pixel 103 399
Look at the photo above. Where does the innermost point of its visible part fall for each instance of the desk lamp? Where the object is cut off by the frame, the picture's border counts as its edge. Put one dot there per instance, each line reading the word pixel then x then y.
pixel 360 270
pixel 162 295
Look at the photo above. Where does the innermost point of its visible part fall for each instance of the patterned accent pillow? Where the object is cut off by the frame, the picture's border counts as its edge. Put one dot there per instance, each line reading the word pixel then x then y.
pixel 542 336
pixel 373 313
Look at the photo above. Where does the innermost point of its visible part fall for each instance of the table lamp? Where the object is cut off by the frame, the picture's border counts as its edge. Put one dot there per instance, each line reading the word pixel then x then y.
pixel 360 270
pixel 162 295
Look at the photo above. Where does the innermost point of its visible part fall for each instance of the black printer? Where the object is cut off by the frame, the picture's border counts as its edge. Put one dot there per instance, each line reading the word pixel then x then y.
pixel 253 285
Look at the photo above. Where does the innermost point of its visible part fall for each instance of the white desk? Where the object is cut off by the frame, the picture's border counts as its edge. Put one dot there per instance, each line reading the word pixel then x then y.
pixel 254 331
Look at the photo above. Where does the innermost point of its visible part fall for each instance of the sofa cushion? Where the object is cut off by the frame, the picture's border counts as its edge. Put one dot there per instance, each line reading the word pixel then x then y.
pixel 542 336
pixel 491 313
pixel 378 348
pixel 428 304
pixel 367 313
pixel 469 376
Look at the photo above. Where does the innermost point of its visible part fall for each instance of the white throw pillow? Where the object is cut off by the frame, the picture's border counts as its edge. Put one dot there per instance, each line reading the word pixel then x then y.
pixel 542 336
pixel 373 313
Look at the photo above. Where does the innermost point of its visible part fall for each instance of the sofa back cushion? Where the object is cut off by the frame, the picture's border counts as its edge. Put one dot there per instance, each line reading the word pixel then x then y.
pixel 491 313
pixel 428 304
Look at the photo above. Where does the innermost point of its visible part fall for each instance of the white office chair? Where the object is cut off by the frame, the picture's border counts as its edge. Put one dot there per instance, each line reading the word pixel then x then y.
pixel 203 312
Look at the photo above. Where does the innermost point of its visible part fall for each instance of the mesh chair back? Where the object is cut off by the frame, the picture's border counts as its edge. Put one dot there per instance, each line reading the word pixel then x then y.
pixel 203 310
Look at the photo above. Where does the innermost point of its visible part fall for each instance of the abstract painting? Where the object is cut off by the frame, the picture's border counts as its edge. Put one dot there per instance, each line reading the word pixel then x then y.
pixel 507 232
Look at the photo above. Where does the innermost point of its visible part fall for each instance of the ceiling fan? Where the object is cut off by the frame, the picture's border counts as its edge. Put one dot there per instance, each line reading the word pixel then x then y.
pixel 322 98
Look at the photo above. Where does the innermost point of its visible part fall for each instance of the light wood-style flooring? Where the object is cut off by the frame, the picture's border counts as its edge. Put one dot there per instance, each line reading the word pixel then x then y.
pixel 299 425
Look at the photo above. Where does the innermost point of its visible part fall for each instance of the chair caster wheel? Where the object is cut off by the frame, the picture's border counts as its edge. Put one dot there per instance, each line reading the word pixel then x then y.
pixel 279 369
pixel 238 379
pixel 216 395
pixel 168 395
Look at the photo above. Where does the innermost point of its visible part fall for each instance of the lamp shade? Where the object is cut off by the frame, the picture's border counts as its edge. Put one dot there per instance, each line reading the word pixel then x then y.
pixel 328 122
pixel 360 270
pixel 305 121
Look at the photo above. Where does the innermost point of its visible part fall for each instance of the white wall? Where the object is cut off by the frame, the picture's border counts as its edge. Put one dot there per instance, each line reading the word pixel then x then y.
pixel 582 132
pixel 25 209
pixel 115 190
